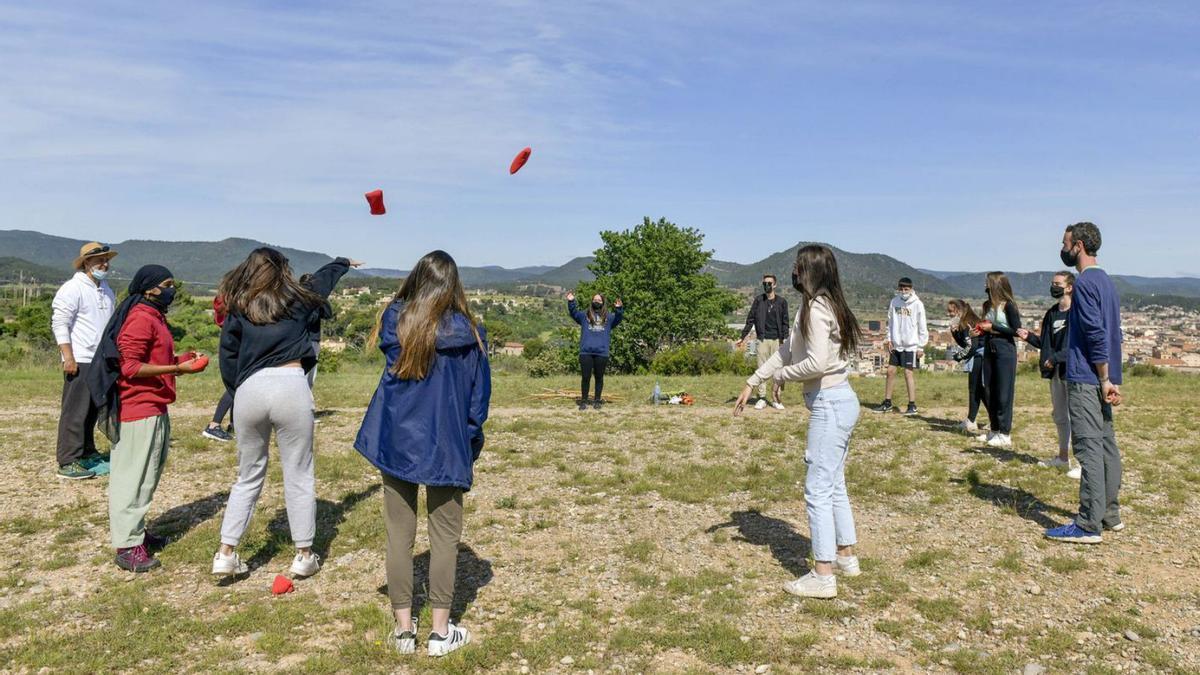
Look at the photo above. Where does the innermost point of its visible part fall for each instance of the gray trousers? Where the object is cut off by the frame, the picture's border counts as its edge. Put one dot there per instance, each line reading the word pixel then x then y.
pixel 1095 446
pixel 1062 411
pixel 77 421
pixel 273 399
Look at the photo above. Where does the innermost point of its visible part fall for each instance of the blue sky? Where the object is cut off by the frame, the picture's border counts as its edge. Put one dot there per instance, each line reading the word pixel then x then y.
pixel 954 135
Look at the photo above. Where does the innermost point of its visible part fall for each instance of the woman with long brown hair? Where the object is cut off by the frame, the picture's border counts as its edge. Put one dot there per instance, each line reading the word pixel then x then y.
pixel 963 320
pixel 823 339
pixel 424 426
pixel 1001 321
pixel 265 349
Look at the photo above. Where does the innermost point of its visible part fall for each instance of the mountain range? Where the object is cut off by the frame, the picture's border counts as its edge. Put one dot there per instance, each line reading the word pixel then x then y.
pixel 47 258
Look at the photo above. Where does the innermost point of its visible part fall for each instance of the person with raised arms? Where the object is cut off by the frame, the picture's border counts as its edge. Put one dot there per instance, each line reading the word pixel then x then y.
pixel 1051 340
pixel 80 311
pixel 1093 388
pixel 595 342
pixel 424 426
pixel 824 336
pixel 134 382
pixel 963 321
pixel 1001 321
pixel 265 349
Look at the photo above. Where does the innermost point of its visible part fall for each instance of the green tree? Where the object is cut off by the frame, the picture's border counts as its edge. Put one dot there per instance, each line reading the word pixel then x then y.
pixel 498 333
pixel 655 269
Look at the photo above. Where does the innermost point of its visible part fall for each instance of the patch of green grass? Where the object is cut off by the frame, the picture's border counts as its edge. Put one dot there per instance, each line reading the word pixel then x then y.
pixel 926 559
pixel 640 550
pixel 1010 561
pixel 1064 564
pixel 939 610
pixel 893 629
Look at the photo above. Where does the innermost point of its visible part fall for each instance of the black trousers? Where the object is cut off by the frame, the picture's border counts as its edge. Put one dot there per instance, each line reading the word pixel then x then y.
pixel 77 421
pixel 223 407
pixel 590 364
pixel 976 392
pixel 1000 379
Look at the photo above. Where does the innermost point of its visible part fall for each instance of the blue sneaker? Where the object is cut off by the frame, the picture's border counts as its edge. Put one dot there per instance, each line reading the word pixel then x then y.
pixel 97 463
pixel 1072 534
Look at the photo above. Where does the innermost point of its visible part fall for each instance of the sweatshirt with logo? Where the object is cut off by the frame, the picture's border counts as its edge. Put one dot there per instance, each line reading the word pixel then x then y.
pixel 907 330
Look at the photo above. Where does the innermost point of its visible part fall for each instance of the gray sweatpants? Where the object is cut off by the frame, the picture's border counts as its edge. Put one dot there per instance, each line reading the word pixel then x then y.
pixel 273 399
pixel 1061 410
pixel 1095 446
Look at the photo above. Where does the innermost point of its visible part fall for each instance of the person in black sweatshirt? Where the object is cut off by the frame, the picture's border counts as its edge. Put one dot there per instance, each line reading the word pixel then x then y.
pixel 265 349
pixel 1001 321
pixel 768 318
pixel 963 320
pixel 1052 341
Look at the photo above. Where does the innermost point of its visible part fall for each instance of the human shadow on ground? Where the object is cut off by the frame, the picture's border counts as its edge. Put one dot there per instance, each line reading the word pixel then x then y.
pixel 1002 454
pixel 1026 504
pixel 789 547
pixel 179 520
pixel 943 424
pixel 472 574
pixel 330 515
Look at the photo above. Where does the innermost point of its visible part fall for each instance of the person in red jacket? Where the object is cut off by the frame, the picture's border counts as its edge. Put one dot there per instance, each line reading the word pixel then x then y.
pixel 140 362
pixel 214 429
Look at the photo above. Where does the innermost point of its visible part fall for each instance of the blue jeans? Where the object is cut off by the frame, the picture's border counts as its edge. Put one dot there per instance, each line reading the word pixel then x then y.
pixel 834 414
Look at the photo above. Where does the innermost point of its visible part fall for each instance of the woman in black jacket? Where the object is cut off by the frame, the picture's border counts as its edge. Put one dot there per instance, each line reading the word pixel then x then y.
pixel 1051 340
pixel 963 321
pixel 1001 321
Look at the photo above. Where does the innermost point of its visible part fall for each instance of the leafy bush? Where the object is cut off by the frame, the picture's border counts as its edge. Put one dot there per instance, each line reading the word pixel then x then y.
pixel 701 358
pixel 330 360
pixel 13 351
pixel 546 364
pixel 534 349
pixel 1145 369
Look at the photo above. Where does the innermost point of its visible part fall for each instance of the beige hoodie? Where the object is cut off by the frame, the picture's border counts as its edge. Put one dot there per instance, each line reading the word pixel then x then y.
pixel 814 359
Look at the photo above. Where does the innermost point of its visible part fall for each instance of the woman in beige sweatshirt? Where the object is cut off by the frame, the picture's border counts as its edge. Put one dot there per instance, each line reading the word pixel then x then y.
pixel 823 337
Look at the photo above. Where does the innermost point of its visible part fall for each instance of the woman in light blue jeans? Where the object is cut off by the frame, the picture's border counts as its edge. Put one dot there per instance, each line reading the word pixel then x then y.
pixel 823 336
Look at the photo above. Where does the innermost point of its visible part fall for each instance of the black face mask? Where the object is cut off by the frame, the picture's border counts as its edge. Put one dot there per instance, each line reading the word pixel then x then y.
pixel 768 286
pixel 164 298
pixel 796 283
pixel 597 306
pixel 1057 292
pixel 1069 257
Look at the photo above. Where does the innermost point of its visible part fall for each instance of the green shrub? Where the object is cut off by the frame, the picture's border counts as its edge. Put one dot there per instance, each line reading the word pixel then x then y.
pixel 546 364
pixel 330 360
pixel 1145 370
pixel 534 348
pixel 700 358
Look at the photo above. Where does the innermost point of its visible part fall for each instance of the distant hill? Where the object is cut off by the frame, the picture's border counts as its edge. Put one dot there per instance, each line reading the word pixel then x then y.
pixel 1037 284
pixel 16 269
pixel 566 275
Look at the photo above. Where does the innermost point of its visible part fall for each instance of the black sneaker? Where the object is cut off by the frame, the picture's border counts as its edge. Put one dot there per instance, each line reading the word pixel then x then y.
pixel 886 406
pixel 597 404
pixel 912 409
pixel 583 404
pixel 216 434
pixel 75 471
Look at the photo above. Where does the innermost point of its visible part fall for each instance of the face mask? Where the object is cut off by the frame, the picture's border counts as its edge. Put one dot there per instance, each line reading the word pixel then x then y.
pixel 99 274
pixel 165 297
pixel 904 295
pixel 796 283
pixel 767 286
pixel 1069 258
pixel 1057 291
pixel 597 306
pixel 986 293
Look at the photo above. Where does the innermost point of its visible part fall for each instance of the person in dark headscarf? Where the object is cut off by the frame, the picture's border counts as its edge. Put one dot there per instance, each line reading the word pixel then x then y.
pixel 134 385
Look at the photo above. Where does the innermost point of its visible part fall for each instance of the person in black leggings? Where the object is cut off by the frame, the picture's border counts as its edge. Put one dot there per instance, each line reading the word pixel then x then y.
pixel 595 340
pixel 1001 320
pixel 216 429
pixel 963 319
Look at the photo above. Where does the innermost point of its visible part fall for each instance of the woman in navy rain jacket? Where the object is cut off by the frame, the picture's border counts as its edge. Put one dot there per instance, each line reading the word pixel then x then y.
pixel 424 426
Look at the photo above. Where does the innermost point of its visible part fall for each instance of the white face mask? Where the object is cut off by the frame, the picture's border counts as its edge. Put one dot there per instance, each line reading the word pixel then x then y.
pixel 904 295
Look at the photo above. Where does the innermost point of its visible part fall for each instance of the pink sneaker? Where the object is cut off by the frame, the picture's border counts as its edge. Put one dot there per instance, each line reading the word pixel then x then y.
pixel 136 559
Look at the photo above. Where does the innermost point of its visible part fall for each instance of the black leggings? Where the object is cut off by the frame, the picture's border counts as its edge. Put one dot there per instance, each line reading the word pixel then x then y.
pixel 976 393
pixel 223 407
pixel 589 364
pixel 1000 378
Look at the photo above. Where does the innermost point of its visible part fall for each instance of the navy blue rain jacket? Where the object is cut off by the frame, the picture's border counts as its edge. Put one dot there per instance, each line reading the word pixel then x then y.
pixel 429 431
pixel 595 338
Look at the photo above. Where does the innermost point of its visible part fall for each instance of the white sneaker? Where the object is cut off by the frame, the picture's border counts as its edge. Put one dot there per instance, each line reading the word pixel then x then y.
pixel 761 405
pixel 228 564
pixel 1075 472
pixel 457 638
pixel 968 427
pixel 1116 528
pixel 406 641
pixel 777 405
pixel 1056 463
pixel 847 567
pixel 985 438
pixel 306 567
pixel 1000 441
pixel 812 586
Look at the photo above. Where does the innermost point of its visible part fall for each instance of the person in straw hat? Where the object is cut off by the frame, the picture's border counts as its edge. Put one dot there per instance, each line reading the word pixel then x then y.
pixel 81 309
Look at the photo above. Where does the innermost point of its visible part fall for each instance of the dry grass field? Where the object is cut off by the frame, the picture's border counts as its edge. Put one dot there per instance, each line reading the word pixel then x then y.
pixel 636 539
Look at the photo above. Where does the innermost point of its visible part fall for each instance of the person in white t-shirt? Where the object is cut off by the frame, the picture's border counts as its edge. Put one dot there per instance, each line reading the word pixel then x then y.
pixel 80 311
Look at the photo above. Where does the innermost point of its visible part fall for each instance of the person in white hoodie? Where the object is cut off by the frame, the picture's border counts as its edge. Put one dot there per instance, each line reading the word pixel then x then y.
pixel 823 337
pixel 907 337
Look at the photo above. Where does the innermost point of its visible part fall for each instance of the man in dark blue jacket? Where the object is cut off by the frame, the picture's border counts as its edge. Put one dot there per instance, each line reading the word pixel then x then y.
pixel 1093 388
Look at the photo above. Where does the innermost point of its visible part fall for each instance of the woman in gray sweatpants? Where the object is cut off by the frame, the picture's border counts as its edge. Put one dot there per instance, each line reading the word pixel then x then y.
pixel 266 348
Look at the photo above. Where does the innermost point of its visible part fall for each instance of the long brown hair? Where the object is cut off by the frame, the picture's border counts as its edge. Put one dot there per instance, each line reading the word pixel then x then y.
pixel 999 288
pixel 262 288
pixel 591 313
pixel 967 318
pixel 431 289
pixel 816 275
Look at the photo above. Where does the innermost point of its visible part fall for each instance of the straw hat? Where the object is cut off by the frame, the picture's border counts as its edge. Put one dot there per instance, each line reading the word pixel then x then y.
pixel 93 249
